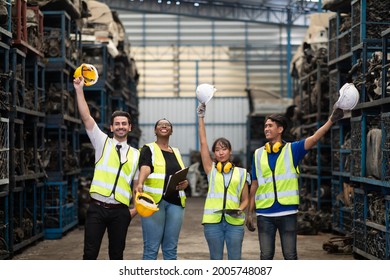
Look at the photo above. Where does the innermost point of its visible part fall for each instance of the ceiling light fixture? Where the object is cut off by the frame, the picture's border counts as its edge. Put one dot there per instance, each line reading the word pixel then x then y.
pixel 196 4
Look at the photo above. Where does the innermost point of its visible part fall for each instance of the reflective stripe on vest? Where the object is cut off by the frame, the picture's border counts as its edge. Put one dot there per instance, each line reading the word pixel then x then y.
pixel 154 184
pixel 215 196
pixel 106 171
pixel 283 181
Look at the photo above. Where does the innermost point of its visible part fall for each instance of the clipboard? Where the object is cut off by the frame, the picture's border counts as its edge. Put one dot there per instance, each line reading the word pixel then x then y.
pixel 175 179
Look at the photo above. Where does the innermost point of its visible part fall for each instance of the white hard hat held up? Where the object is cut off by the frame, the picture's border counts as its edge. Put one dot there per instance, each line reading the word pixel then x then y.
pixel 349 97
pixel 205 92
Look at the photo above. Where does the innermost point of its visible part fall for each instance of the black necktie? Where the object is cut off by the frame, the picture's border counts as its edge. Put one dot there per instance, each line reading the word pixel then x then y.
pixel 118 149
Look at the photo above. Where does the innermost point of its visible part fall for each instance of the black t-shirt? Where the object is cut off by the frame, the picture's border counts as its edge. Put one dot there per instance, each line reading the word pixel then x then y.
pixel 171 166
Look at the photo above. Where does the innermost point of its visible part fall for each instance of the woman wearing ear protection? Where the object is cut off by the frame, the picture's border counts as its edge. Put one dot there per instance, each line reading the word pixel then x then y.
pixel 158 160
pixel 274 190
pixel 227 196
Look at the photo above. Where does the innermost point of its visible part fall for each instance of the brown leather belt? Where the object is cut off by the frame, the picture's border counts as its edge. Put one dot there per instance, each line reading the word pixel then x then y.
pixel 108 205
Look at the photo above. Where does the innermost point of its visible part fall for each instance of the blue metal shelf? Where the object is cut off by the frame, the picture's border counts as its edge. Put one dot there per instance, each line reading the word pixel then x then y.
pixel 61 207
pixel 61 39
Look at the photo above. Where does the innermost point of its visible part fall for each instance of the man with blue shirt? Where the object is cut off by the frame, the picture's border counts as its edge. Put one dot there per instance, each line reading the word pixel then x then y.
pixel 274 190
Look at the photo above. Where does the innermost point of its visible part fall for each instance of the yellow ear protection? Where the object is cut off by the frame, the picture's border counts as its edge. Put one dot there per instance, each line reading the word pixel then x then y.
pixel 224 167
pixel 273 148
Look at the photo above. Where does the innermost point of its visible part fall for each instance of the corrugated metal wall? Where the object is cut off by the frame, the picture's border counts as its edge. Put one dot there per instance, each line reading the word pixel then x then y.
pixel 232 54
pixel 225 117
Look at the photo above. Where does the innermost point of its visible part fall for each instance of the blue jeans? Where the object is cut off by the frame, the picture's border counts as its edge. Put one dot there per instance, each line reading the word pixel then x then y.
pixel 287 227
pixel 217 234
pixel 162 228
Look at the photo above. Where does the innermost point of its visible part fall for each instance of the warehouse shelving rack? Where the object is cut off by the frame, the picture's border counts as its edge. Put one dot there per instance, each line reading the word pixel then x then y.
pixel 5 29
pixel 21 38
pixel 371 234
pixel 366 127
pixel 342 204
pixel 4 189
pixel 27 215
pixel 369 127
pixel 339 63
pixel 315 176
pixel 365 23
pixel 62 125
pixel 60 207
pixel 5 42
pixel 26 147
pixel 61 37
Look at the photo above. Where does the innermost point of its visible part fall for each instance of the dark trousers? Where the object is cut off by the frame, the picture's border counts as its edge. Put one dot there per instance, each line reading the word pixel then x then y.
pixel 116 221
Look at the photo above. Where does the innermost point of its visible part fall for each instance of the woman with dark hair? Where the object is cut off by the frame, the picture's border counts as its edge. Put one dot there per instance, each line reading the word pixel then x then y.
pixel 227 196
pixel 158 161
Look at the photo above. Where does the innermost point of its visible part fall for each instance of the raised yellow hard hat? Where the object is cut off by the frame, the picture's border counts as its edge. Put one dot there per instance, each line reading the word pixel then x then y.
pixel 88 72
pixel 145 204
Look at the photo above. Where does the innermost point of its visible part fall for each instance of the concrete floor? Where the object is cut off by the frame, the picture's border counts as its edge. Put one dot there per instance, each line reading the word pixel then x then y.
pixel 192 245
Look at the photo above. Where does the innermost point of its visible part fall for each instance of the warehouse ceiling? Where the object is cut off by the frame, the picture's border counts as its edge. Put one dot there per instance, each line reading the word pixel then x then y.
pixel 281 12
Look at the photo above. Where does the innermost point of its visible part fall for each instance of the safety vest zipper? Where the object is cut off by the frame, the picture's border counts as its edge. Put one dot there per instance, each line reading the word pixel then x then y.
pixel 274 181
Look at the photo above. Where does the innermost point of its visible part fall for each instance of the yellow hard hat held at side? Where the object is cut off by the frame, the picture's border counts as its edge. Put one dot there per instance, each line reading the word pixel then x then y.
pixel 145 204
pixel 88 72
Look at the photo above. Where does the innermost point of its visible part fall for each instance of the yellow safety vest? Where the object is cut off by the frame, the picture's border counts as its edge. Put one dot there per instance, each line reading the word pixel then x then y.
pixel 282 184
pixel 154 184
pixel 106 172
pixel 215 196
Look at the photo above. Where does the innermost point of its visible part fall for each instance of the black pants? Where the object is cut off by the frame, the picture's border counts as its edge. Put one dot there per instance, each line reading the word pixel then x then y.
pixel 116 221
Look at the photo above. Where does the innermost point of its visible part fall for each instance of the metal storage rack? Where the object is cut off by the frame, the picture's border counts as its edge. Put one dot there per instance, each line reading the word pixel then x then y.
pixel 62 125
pixel 339 63
pixel 371 234
pixel 27 94
pixel 21 36
pixel 363 165
pixel 4 189
pixel 5 41
pixel 61 39
pixel 60 207
pixel 315 177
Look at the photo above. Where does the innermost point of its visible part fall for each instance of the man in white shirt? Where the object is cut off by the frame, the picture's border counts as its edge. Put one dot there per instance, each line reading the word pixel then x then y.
pixel 116 170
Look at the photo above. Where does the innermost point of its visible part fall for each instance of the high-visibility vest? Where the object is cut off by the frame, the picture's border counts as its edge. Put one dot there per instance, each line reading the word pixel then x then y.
pixel 216 196
pixel 106 172
pixel 282 184
pixel 154 184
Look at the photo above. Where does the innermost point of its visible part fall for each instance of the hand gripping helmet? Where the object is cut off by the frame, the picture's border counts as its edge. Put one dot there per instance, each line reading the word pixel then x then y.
pixel 88 72
pixel 145 204
pixel 349 97
pixel 205 92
